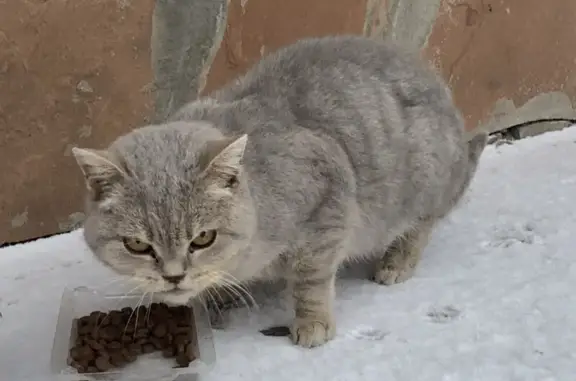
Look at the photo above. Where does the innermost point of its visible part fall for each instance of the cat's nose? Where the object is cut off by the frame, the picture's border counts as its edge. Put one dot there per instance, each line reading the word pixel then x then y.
pixel 174 279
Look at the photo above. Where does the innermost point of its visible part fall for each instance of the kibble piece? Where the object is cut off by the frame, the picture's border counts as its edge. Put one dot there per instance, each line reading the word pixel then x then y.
pixel 160 330
pixel 117 359
pixel 83 321
pixel 140 323
pixel 181 340
pixel 92 369
pixel 115 345
pixel 80 341
pixel 135 348
pixel 103 364
pixel 130 328
pixel 110 333
pixel 142 341
pixel 190 353
pixel 75 353
pixel 95 318
pixel 172 326
pixel 85 329
pixel 168 352
pixel 182 360
pixel 82 352
pixel 141 333
pixel 158 343
pixel 116 318
pixel 95 345
pixel 79 367
pixel 95 333
pixel 183 330
pixel 148 348
pixel 128 356
pixel 104 320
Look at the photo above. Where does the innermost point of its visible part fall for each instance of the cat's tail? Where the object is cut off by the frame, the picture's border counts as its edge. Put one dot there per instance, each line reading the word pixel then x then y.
pixel 476 146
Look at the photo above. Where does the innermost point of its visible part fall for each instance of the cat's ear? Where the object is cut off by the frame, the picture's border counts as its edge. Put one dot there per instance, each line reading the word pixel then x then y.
pixel 100 172
pixel 225 164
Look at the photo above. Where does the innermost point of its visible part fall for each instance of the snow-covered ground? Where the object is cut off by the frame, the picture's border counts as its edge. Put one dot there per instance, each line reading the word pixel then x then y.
pixel 493 300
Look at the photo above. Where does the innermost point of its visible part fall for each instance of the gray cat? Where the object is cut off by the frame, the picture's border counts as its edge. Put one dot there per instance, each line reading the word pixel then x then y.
pixel 331 149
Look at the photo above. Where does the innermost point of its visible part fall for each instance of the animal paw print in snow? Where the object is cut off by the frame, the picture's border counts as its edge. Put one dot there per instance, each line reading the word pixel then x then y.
pixel 367 333
pixel 443 314
pixel 506 236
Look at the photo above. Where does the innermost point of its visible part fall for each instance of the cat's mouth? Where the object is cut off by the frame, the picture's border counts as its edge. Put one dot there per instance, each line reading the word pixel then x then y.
pixel 176 296
pixel 175 291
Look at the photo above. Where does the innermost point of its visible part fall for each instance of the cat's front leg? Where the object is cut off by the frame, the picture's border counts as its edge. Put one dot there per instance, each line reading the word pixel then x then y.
pixel 312 286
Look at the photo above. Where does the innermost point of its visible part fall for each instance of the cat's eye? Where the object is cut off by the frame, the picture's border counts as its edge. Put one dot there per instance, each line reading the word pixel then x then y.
pixel 203 240
pixel 137 247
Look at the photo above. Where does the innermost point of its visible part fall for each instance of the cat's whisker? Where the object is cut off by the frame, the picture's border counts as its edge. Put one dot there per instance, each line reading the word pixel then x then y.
pixel 135 309
pixel 237 282
pixel 230 283
pixel 239 286
pixel 214 302
pixel 137 314
pixel 215 277
pixel 233 296
pixel 120 281
pixel 150 299
pixel 127 294
pixel 115 306
pixel 239 296
pixel 110 283
pixel 220 298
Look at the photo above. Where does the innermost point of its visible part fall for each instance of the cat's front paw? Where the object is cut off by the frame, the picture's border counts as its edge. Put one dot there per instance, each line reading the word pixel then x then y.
pixel 309 333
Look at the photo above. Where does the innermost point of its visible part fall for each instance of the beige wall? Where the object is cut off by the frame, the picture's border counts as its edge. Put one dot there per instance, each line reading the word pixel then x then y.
pixel 71 73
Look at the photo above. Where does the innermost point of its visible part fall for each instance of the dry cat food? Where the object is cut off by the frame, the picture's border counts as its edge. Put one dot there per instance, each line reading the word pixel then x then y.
pixel 105 341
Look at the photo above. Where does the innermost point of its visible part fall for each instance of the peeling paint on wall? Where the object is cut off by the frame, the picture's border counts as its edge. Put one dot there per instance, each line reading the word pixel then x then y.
pixel 185 38
pixel 85 131
pixel 376 19
pixel 551 105
pixel 411 21
pixel 20 220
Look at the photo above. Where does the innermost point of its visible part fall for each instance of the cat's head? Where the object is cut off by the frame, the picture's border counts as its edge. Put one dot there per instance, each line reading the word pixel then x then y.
pixel 168 206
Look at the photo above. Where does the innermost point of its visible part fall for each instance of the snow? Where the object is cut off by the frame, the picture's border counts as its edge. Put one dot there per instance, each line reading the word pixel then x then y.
pixel 493 298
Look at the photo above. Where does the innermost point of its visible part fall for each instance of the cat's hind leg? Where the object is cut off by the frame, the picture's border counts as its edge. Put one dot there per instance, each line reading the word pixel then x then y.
pixel 402 256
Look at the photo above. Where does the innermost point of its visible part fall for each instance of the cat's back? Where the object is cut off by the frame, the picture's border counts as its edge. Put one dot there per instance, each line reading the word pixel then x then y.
pixel 383 111
pixel 379 101
pixel 352 88
pixel 312 64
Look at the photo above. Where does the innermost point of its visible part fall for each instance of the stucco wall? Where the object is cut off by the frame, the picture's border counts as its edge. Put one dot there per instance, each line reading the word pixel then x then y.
pixel 82 72
pixel 71 73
